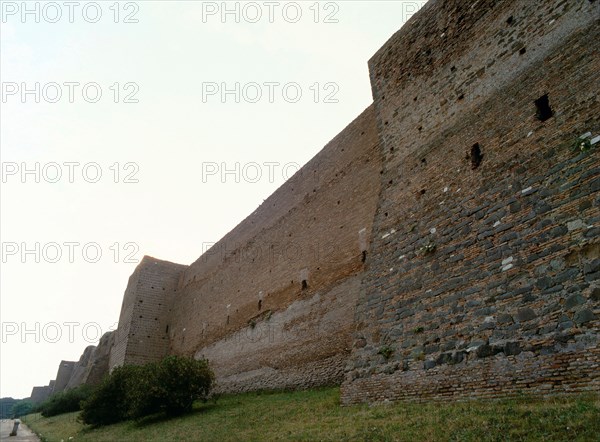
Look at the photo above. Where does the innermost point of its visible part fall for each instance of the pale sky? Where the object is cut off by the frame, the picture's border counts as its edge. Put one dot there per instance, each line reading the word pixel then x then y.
pixel 162 191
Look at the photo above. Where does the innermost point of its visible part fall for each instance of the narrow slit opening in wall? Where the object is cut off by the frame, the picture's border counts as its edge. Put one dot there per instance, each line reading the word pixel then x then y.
pixel 476 156
pixel 544 111
pixel 227 319
pixel 259 304
pixel 167 329
pixel 304 284
pixel 363 256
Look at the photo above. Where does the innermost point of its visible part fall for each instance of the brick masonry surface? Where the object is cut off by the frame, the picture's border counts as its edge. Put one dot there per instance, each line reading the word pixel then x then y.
pixel 271 305
pixel 443 245
pixel 482 276
pixel 142 333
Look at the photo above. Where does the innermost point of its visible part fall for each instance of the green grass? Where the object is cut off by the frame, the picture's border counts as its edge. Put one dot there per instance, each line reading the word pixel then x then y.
pixel 316 415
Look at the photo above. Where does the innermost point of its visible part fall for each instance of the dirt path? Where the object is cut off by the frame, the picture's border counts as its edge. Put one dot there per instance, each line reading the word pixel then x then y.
pixel 24 434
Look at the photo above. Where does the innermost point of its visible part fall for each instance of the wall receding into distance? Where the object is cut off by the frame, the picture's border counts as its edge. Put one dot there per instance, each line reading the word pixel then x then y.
pixel 443 245
pixel 271 305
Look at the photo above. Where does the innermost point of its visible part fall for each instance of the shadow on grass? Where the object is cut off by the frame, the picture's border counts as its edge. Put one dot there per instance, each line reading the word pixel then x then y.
pixel 159 418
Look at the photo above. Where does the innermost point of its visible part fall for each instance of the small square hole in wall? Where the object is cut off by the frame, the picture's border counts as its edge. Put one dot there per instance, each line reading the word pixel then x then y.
pixel 544 111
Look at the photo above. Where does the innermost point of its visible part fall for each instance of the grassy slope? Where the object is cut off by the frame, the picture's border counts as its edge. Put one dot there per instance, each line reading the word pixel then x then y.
pixel 316 415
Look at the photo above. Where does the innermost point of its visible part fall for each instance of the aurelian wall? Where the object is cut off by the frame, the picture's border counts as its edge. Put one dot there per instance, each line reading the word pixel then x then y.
pixel 98 365
pixel 65 369
pixel 443 245
pixel 90 369
pixel 483 272
pixel 40 394
pixel 142 333
pixel 271 305
pixel 79 372
pixel 93 364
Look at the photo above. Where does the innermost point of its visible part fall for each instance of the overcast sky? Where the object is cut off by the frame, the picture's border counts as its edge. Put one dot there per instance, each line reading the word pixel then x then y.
pixel 153 128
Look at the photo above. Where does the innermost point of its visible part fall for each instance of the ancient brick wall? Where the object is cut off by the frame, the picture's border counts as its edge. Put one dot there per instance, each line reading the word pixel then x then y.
pixel 65 369
pixel 78 374
pixel 483 271
pixel 93 364
pixel 98 366
pixel 40 394
pixel 478 275
pixel 142 334
pixel 271 304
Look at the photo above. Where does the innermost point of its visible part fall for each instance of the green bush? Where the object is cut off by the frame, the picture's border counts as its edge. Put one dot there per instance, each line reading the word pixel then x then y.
pixel 178 383
pixel 170 386
pixel 109 403
pixel 65 402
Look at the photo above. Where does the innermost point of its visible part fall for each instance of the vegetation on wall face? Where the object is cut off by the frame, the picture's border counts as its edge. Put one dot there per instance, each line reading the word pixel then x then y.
pixel 582 144
pixel 386 351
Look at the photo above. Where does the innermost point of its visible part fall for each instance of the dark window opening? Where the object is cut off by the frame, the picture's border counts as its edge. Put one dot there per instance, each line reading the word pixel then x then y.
pixel 544 111
pixel 304 284
pixel 167 329
pixel 476 156
pixel 363 257
pixel 260 304
pixel 227 319
pixel 510 20
pixel 522 51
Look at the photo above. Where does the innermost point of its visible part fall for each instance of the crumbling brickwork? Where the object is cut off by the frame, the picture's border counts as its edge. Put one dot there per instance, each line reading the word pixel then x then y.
pixel 483 271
